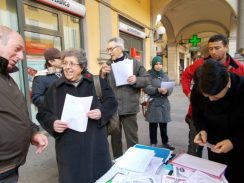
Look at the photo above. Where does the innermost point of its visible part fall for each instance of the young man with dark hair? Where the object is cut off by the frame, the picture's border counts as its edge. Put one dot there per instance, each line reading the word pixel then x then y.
pixel 217 111
pixel 218 50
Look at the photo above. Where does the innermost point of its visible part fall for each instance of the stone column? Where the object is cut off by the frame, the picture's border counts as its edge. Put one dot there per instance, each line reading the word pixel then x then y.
pixel 173 62
pixel 105 30
pixel 233 36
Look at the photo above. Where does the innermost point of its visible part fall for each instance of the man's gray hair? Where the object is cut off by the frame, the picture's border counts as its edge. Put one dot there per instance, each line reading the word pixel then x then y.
pixel 118 42
pixel 80 54
pixel 4 34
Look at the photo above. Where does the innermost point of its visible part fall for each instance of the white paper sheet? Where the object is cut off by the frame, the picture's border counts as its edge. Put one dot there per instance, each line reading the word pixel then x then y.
pixel 135 159
pixel 122 70
pixel 201 177
pixel 204 165
pixel 75 112
pixel 168 85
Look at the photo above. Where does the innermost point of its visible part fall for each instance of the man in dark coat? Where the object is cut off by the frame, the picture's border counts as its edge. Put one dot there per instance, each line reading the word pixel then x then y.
pixel 217 110
pixel 126 95
pixel 17 130
pixel 82 157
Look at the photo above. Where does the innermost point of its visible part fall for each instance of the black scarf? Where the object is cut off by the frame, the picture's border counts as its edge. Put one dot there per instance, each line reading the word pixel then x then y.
pixel 3 65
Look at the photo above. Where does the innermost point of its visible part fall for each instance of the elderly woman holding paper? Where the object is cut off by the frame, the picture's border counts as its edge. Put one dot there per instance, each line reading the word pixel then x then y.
pixel 82 155
pixel 158 113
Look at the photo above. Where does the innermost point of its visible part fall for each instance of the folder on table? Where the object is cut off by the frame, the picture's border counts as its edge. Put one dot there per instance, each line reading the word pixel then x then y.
pixel 159 152
pixel 209 167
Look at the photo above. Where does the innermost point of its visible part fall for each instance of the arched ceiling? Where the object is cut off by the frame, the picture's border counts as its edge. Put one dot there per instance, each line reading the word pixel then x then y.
pixel 183 18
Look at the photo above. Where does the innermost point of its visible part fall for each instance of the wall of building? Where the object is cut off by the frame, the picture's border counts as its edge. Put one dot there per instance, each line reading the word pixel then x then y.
pixel 92 34
pixel 102 23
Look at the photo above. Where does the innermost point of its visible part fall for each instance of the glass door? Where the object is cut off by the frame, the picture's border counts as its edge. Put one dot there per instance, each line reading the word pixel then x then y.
pixel 71 30
pixel 41 32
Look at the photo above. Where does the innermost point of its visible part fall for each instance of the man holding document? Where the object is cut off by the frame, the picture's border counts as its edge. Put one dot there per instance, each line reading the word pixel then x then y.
pixel 76 119
pixel 217 109
pixel 126 77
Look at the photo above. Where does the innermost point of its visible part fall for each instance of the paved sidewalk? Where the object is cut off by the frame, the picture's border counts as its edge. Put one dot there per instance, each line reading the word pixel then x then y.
pixel 43 169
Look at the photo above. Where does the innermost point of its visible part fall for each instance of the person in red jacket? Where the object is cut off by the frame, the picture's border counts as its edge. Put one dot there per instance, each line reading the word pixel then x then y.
pixel 218 48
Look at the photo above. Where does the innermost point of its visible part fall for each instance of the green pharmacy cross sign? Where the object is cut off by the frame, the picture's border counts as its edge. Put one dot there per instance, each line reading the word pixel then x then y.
pixel 194 40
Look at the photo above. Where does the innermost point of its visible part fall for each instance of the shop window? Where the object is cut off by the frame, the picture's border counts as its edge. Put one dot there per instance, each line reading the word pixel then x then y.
pixel 135 43
pixel 8 14
pixel 40 18
pixel 71 28
pixel 35 45
pixel 8 17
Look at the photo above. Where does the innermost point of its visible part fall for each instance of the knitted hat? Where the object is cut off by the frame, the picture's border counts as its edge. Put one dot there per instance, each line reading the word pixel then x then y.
pixel 52 53
pixel 155 60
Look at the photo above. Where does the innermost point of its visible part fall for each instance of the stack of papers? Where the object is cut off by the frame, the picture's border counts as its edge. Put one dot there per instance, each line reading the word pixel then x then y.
pixel 135 159
pixel 209 167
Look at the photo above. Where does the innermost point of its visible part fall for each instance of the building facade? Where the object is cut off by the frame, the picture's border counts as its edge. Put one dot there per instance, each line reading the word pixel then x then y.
pixel 89 24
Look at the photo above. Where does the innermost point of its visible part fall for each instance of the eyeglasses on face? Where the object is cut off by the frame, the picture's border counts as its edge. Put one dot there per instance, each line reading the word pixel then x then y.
pixel 71 64
pixel 109 50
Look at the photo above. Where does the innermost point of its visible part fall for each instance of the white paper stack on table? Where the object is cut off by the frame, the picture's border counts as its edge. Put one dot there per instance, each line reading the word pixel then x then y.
pixel 136 165
pixel 135 159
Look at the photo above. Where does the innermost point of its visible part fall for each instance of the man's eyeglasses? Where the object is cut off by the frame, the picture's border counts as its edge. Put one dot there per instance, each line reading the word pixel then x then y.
pixel 109 50
pixel 71 64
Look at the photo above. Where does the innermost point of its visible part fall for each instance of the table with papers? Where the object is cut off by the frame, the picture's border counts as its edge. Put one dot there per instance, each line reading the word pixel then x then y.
pixel 146 164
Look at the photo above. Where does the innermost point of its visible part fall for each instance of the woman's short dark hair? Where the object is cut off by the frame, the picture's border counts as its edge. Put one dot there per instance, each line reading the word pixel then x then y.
pixel 213 77
pixel 80 54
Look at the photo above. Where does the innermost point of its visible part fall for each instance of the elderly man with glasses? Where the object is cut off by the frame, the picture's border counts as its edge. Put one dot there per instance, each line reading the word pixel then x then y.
pixel 126 95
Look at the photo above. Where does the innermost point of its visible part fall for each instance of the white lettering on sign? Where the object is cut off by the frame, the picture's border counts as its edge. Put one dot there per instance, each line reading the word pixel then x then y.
pixel 67 5
pixel 131 30
pixel 62 2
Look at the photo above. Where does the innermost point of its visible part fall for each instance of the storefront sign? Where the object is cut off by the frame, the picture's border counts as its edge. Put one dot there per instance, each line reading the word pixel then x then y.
pixel 67 5
pixel 131 30
pixel 36 48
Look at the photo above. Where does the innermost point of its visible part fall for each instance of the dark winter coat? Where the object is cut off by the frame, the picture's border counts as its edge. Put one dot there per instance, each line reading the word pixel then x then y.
pixel 16 128
pixel 81 157
pixel 223 119
pixel 128 95
pixel 40 85
pixel 159 106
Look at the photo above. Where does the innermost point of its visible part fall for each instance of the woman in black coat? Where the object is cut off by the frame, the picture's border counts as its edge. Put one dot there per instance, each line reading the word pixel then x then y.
pixel 82 157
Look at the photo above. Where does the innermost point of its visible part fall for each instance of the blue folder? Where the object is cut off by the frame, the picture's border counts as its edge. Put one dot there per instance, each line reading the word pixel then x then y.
pixel 159 152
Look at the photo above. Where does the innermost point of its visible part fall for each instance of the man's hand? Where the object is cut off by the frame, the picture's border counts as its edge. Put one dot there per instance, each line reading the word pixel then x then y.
pixel 201 138
pixel 223 146
pixel 162 90
pixel 60 126
pixel 105 69
pixel 131 79
pixel 94 114
pixel 40 141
